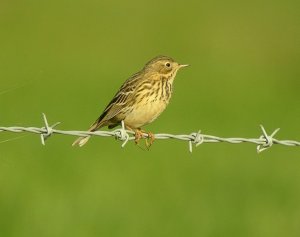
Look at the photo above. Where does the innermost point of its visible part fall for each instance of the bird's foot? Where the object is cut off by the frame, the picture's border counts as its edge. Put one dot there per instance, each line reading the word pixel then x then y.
pixel 138 135
pixel 150 139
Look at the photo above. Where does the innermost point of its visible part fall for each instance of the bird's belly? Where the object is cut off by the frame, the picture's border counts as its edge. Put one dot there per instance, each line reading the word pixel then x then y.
pixel 145 113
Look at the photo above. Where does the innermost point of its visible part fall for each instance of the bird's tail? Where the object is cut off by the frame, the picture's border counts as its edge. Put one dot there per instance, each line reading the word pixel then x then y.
pixel 82 140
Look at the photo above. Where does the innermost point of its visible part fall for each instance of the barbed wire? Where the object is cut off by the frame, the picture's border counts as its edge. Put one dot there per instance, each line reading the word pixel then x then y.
pixel 264 142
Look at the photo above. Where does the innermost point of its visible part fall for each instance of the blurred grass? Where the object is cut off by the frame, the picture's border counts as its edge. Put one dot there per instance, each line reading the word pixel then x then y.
pixel 67 59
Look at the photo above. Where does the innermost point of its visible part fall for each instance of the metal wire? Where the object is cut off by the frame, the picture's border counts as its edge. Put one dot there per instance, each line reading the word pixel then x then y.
pixel 264 142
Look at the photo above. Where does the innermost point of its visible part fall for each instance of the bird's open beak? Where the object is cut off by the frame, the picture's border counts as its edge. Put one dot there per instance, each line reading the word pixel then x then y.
pixel 183 65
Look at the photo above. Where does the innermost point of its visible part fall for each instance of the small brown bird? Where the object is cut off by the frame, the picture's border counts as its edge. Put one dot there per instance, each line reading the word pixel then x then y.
pixel 140 100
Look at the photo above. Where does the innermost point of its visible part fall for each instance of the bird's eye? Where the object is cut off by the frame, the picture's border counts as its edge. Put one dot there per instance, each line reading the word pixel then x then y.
pixel 168 64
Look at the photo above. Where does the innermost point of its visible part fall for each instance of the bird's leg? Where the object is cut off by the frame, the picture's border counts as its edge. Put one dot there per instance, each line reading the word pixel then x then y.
pixel 150 138
pixel 138 135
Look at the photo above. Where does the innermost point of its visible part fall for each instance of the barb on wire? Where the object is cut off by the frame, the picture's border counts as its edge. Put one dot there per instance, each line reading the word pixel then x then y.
pixel 269 141
pixel 49 129
pixel 264 142
pixel 122 135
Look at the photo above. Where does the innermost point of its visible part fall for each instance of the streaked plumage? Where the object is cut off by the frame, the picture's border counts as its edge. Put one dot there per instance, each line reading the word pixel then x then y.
pixel 141 99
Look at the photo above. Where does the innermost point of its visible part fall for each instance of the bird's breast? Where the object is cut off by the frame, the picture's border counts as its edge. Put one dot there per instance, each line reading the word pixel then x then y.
pixel 144 113
pixel 148 105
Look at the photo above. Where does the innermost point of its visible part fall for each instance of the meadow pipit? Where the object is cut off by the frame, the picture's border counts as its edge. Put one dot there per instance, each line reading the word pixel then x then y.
pixel 141 98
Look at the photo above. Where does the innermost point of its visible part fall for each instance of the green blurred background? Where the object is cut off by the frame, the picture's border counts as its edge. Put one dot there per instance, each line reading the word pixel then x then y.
pixel 67 59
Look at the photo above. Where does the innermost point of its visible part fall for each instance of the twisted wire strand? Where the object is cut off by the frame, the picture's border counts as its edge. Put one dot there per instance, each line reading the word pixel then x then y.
pixel 264 142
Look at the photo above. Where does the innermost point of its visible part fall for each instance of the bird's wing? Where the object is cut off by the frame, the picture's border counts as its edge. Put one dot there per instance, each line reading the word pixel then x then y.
pixel 120 100
pixel 118 103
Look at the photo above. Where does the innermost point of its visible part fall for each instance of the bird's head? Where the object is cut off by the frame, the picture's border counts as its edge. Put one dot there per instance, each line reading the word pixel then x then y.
pixel 163 65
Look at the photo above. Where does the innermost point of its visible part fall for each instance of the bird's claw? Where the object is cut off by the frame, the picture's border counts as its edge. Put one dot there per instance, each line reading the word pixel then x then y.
pixel 150 138
pixel 138 135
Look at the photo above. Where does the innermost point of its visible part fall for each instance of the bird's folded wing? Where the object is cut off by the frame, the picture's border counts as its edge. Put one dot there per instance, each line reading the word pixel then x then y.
pixel 117 104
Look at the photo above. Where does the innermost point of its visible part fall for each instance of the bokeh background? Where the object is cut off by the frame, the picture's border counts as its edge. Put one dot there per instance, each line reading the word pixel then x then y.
pixel 67 59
